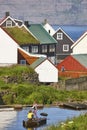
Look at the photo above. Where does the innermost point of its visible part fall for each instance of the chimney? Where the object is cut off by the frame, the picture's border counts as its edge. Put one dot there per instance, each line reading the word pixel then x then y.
pixel 45 21
pixel 7 14
pixel 27 23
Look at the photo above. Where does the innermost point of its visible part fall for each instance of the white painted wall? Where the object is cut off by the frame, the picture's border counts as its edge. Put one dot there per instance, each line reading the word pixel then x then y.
pixel 47 72
pixel 81 46
pixel 8 49
pixel 49 27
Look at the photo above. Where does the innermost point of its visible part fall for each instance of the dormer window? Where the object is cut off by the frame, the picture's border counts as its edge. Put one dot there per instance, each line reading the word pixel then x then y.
pixel 59 36
pixel 8 23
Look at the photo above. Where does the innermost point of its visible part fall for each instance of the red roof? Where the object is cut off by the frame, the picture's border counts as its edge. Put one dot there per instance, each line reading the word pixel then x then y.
pixel 71 64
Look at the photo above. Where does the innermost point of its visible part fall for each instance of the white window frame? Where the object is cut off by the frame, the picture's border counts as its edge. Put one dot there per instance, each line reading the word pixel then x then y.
pixel 59 36
pixel 8 23
pixel 51 48
pixel 23 62
pixel 26 48
pixel 44 48
pixel 65 47
pixel 34 49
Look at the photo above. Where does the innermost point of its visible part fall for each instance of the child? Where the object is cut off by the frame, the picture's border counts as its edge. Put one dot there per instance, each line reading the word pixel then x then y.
pixel 30 115
pixel 35 109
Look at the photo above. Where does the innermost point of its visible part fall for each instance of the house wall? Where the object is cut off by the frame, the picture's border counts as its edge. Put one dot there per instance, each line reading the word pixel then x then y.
pixel 8 49
pixel 47 72
pixel 60 53
pixel 81 47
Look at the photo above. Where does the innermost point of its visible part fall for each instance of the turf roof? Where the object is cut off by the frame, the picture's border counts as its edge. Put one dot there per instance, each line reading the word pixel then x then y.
pixel 21 35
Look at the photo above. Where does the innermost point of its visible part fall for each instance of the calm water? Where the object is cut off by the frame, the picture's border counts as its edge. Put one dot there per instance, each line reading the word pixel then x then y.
pixel 73 31
pixel 12 120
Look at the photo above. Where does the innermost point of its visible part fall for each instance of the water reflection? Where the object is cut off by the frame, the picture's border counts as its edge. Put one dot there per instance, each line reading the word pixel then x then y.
pixel 13 120
pixel 7 115
pixel 32 129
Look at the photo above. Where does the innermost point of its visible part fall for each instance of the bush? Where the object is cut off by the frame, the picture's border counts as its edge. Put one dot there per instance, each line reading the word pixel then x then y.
pixel 8 99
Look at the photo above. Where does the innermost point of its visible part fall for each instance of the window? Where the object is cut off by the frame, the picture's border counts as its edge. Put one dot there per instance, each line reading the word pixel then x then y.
pixel 23 62
pixel 59 36
pixel 51 48
pixel 49 31
pixel 44 48
pixel 8 23
pixel 34 49
pixel 65 47
pixel 26 48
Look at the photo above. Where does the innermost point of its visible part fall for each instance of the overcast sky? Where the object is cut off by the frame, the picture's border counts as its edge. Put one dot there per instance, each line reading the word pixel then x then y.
pixel 62 12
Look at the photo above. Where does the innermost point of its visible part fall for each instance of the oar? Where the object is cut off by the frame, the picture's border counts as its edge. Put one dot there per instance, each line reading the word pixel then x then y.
pixel 43 114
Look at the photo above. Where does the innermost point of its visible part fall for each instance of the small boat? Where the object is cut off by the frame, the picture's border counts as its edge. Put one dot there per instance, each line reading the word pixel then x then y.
pixel 36 122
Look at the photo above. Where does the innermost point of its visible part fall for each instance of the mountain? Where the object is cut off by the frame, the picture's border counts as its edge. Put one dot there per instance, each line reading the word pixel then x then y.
pixel 61 12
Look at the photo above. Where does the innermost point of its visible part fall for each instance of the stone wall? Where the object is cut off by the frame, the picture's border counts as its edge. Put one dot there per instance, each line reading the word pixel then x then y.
pixel 72 84
pixel 76 84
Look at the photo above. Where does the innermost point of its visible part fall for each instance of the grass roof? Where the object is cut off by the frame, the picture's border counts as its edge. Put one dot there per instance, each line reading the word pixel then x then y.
pixel 21 35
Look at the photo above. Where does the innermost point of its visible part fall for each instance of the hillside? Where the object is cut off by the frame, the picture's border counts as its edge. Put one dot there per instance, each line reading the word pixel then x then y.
pixel 62 12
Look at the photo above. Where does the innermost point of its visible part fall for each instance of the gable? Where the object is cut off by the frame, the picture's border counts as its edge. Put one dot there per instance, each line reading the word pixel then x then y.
pixel 82 39
pixel 47 66
pixel 8 22
pixel 65 37
pixel 80 46
pixel 49 29
pixel 47 72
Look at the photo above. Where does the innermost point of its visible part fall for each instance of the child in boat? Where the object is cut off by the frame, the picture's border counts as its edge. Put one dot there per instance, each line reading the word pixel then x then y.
pixel 35 109
pixel 30 115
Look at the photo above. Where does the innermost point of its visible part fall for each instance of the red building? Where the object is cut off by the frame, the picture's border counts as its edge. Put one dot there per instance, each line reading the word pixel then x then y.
pixel 74 65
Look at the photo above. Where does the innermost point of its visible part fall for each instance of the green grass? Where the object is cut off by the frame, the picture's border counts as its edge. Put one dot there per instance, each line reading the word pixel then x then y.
pixel 27 92
pixel 21 35
pixel 76 123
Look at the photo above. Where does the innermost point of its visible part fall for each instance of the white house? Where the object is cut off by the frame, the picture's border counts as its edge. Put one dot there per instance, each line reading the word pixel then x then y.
pixel 8 49
pixel 46 70
pixel 48 28
pixel 80 46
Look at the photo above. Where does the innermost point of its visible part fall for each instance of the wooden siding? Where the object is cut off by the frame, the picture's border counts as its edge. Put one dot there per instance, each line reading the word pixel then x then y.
pixel 60 54
pixel 72 74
